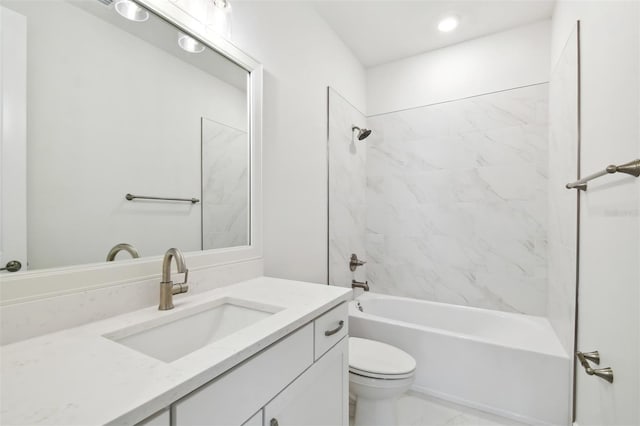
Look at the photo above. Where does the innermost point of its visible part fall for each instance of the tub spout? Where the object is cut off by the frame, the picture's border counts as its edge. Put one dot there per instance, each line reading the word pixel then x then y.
pixel 358 284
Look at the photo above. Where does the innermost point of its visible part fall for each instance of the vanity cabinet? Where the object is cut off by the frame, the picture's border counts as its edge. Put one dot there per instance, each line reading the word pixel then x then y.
pixel 300 380
pixel 319 397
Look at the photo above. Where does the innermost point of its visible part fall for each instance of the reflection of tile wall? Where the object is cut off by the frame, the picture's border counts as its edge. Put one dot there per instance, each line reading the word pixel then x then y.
pixel 225 186
pixel 457 201
pixel 563 160
pixel 347 191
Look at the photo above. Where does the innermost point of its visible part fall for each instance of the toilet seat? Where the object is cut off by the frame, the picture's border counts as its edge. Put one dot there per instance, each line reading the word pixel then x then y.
pixel 370 358
pixel 373 375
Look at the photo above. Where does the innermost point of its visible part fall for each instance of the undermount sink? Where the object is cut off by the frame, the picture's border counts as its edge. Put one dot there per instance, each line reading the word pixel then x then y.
pixel 171 337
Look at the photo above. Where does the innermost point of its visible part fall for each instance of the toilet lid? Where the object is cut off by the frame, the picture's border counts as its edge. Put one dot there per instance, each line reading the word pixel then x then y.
pixel 376 359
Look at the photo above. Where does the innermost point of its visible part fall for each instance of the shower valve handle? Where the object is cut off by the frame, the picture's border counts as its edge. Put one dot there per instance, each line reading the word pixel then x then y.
pixel 354 262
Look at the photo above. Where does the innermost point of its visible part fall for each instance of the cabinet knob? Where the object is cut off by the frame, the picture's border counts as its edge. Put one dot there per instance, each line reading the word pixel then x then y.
pixel 273 422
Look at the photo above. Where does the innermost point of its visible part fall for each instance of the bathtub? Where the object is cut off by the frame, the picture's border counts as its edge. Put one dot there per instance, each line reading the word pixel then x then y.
pixel 508 364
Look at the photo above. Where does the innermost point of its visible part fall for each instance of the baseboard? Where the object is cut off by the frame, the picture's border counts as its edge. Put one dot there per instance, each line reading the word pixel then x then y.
pixel 487 409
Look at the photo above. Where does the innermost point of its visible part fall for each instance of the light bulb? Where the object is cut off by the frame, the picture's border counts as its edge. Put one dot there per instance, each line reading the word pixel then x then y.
pixel 219 17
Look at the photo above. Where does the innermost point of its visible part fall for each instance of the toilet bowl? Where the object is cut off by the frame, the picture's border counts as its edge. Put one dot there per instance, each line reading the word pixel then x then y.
pixel 378 374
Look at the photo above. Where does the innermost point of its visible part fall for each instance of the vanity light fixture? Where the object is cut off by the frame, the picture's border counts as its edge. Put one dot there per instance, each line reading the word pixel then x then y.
pixel 221 4
pixel 130 10
pixel 219 17
pixel 449 23
pixel 189 44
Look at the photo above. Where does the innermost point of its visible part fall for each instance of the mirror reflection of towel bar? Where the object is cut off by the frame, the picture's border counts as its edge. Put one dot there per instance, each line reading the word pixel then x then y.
pixel 131 197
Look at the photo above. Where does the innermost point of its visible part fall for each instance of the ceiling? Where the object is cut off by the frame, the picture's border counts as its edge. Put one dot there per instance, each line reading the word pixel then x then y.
pixel 383 31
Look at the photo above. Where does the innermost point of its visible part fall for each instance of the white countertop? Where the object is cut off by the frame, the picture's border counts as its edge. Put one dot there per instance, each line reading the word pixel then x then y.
pixel 77 376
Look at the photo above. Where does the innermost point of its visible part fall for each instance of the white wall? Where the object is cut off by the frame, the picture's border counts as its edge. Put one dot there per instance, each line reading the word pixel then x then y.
pixel 609 303
pixel 301 57
pixel 505 60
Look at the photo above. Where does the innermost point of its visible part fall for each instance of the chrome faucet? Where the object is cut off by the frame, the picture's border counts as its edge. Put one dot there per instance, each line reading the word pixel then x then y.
pixel 122 247
pixel 167 287
pixel 358 284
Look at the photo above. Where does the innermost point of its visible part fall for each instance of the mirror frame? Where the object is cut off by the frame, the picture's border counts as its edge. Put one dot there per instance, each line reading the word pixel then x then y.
pixel 45 283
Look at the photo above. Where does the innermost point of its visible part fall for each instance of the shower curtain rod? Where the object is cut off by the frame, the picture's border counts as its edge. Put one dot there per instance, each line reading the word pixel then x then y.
pixel 631 168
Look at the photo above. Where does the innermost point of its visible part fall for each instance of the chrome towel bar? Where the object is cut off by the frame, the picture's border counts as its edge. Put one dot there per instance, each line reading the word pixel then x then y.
pixel 631 168
pixel 131 197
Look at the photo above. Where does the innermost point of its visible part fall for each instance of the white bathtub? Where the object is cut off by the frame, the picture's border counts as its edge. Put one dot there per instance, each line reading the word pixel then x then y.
pixel 508 364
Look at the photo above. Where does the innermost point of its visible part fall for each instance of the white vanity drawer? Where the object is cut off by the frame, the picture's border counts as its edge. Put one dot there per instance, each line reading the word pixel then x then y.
pixel 330 328
pixel 238 394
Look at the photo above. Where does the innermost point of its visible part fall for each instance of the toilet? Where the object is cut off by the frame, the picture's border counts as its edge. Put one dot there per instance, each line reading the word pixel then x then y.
pixel 378 374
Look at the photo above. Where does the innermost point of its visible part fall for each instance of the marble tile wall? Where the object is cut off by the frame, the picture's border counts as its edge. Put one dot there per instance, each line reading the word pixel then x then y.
pixel 225 186
pixel 347 191
pixel 456 201
pixel 563 160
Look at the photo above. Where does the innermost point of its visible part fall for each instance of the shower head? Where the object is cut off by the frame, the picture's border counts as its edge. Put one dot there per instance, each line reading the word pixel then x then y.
pixel 362 133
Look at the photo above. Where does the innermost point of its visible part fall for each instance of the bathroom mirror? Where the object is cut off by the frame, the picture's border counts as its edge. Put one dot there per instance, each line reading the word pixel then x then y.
pixel 116 104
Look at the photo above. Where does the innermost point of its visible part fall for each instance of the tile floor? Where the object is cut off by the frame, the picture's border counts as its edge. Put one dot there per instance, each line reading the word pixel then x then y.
pixel 416 409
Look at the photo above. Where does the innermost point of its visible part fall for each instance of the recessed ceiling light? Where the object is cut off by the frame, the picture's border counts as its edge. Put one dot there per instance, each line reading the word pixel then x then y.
pixel 189 44
pixel 130 10
pixel 449 23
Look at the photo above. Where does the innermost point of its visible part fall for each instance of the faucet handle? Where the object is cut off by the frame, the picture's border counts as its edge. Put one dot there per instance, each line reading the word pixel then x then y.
pixel 182 287
pixel 186 277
